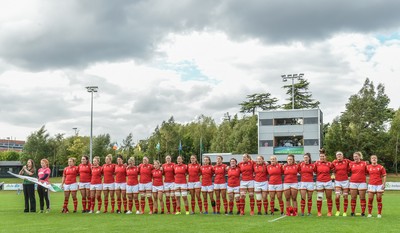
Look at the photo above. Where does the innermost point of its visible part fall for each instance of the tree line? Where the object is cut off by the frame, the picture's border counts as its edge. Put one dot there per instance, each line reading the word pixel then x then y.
pixel 367 125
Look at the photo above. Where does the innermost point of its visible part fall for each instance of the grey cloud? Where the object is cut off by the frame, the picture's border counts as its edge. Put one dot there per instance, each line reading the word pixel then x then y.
pixel 75 34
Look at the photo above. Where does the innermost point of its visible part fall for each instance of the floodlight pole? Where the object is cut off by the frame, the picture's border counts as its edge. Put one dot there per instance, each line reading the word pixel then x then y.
pixel 91 89
pixel 285 77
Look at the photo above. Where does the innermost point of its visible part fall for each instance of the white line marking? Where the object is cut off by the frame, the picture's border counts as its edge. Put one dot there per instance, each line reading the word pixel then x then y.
pixel 273 220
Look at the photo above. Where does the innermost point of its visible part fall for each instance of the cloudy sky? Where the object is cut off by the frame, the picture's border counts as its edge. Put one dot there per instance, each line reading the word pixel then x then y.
pixel 158 58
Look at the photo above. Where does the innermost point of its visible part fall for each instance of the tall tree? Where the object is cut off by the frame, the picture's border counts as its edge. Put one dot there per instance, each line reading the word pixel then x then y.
pixel 127 145
pixel 256 101
pixel 37 145
pixel 362 127
pixel 302 97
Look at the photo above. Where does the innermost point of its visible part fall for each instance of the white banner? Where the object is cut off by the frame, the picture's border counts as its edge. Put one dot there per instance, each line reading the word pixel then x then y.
pixel 392 186
pixel 14 187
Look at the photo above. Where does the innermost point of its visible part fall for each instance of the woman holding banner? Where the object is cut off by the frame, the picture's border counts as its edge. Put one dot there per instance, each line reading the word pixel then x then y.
pixel 29 187
pixel 43 176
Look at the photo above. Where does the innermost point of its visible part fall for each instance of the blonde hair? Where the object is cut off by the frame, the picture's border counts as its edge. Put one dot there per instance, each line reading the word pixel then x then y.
pixel 109 156
pixel 359 154
pixel 273 157
pixel 97 158
pixel 131 159
pixel 156 161
pixel 72 158
pixel 45 161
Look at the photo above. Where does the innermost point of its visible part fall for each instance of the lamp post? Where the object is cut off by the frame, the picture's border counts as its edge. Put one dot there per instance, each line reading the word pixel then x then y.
pixel 8 143
pixel 76 131
pixel 285 77
pixel 91 89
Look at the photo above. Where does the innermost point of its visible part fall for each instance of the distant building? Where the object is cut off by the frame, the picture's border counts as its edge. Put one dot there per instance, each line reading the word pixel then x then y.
pixel 286 132
pixel 11 145
pixel 12 166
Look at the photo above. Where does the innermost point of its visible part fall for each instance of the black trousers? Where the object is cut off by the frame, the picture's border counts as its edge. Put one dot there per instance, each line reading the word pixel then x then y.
pixel 43 196
pixel 29 196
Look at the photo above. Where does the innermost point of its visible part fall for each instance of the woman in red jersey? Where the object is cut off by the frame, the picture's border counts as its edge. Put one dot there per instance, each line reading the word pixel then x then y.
pixel 306 170
pixel 194 184
pixel 132 185
pixel 120 184
pixel 233 185
pixel 323 169
pixel 207 187
pixel 376 185
pixel 220 184
pixel 275 187
pixel 145 184
pixel 261 184
pixel 158 187
pixel 247 183
pixel 109 183
pixel 95 184
pixel 181 171
pixel 358 182
pixel 69 184
pixel 169 177
pixel 290 185
pixel 341 172
pixel 85 173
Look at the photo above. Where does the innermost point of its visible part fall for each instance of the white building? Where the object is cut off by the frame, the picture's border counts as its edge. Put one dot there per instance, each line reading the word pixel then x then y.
pixel 286 132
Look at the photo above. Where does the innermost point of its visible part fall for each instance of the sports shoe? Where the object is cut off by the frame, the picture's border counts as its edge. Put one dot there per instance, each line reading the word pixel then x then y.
pixel 192 213
pixel 259 213
pixel 74 211
pixel 128 212
pixel 302 214
pixel 319 214
pixel 282 214
pixel 48 211
pixel 309 214
pixel 83 211
pixel 205 212
pixel 118 211
pixel 252 213
pixel 230 213
pixel 137 212
pixel 272 213
pixel 178 213
pixel 218 212
pixel 187 212
pixel 105 211
pixel 40 212
pixel 369 216
pixel 125 211
pixel 329 214
pixel 98 212
pixel 151 212
pixel 379 216
pixel 344 214
pixel 90 212
pixel 362 214
pixel 353 214
pixel 337 213
pixel 238 212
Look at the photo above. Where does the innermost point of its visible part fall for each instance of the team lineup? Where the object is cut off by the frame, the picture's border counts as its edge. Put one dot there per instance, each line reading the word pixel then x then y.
pixel 264 182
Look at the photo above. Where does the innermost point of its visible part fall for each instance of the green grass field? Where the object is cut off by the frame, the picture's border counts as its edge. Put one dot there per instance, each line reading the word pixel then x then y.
pixel 13 219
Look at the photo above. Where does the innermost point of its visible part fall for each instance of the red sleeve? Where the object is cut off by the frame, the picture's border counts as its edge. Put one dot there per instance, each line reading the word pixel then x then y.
pixel 64 172
pixel 315 167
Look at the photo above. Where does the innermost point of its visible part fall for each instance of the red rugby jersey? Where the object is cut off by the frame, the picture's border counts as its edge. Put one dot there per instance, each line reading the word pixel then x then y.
pixel 132 174
pixel 157 177
pixel 169 175
pixel 358 172
pixel 180 171
pixel 290 172
pixel 220 172
pixel 341 169
pixel 108 173
pixel 120 173
pixel 145 173
pixel 194 172
pixel 306 172
pixel 247 170
pixel 376 172
pixel 261 172
pixel 323 171
pixel 97 172
pixel 207 173
pixel 70 173
pixel 85 172
pixel 234 177
pixel 275 173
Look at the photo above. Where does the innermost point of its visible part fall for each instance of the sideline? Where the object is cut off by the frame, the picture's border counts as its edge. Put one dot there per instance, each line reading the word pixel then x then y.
pixel 273 220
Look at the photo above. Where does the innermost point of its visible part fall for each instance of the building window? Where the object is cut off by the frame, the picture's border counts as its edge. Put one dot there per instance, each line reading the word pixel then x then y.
pixel 311 120
pixel 311 142
pixel 266 143
pixel 288 141
pixel 266 122
pixel 288 121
